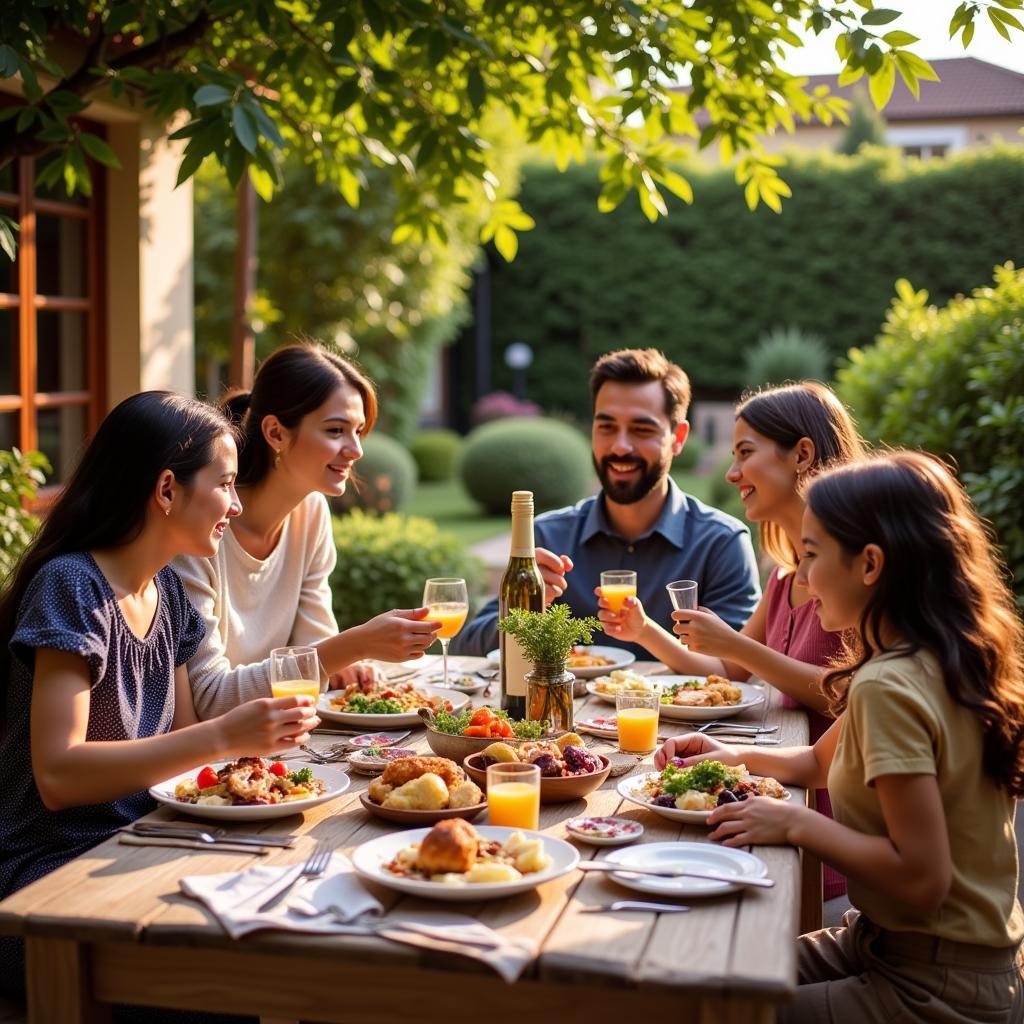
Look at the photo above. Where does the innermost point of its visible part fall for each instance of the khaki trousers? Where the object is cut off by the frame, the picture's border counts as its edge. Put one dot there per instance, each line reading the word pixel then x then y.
pixel 863 974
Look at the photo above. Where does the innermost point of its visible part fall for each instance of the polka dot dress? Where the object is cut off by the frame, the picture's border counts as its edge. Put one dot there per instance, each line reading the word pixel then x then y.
pixel 70 606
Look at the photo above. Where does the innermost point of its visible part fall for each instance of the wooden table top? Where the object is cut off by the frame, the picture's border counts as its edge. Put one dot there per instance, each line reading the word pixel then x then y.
pixel 741 942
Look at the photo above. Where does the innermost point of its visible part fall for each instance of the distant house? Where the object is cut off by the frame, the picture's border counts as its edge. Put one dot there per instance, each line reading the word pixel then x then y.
pixel 972 105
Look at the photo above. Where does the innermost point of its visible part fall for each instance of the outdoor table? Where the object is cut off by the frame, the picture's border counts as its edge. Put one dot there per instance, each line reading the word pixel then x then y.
pixel 112 927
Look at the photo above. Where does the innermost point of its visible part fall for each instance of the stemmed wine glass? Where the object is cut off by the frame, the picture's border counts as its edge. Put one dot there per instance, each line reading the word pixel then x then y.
pixel 448 601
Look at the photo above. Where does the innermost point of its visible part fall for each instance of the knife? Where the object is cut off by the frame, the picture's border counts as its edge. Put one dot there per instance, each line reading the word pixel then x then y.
pixel 218 835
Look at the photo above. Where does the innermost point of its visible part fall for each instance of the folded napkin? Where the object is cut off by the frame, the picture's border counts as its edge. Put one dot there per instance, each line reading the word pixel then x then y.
pixel 337 903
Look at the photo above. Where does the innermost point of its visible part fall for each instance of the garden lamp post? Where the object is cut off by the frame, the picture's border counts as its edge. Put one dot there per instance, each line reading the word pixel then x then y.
pixel 518 357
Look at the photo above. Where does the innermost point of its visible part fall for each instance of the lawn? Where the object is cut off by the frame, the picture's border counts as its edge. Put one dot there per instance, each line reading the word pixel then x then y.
pixel 452 509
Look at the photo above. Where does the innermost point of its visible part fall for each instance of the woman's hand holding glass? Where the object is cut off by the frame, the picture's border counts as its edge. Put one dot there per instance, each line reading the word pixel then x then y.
pixel 704 632
pixel 627 624
pixel 264 725
pixel 397 635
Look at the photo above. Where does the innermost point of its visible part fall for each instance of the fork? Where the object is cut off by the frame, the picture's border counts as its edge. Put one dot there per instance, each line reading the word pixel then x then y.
pixel 723 725
pixel 669 908
pixel 315 865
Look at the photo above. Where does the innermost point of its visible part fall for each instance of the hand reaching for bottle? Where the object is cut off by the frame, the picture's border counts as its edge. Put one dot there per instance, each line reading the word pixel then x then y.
pixel 552 569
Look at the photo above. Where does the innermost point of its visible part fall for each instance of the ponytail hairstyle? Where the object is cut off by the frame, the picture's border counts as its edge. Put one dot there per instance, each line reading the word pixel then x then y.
pixel 787 414
pixel 104 503
pixel 290 383
pixel 942 589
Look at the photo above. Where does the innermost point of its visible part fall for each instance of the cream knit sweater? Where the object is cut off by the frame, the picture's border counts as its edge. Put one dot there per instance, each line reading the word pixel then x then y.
pixel 251 606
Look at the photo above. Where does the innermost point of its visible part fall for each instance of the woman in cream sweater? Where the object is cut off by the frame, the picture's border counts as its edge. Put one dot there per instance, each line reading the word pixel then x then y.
pixel 301 429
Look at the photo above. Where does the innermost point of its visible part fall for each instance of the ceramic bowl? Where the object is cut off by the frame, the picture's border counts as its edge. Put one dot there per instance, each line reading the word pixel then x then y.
pixel 552 791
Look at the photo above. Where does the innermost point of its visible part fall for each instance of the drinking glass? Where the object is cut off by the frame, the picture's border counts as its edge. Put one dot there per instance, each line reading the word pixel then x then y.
pixel 636 716
pixel 448 602
pixel 295 670
pixel 683 595
pixel 513 795
pixel 616 586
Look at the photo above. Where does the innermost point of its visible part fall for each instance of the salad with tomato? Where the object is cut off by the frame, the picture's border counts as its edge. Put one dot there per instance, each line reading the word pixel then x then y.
pixel 247 781
pixel 488 723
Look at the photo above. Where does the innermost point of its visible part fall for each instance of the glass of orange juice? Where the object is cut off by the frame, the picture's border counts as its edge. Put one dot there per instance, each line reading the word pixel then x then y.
pixel 616 586
pixel 448 601
pixel 513 795
pixel 295 670
pixel 636 716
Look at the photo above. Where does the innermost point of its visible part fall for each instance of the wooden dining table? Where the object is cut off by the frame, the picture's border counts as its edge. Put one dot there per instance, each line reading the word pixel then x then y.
pixel 112 927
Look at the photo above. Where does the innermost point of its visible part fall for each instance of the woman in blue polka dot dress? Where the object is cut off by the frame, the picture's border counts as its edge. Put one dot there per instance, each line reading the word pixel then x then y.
pixel 95 631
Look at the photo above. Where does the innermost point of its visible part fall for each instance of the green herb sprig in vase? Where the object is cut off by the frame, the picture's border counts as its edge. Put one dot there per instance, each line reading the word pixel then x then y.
pixel 547 639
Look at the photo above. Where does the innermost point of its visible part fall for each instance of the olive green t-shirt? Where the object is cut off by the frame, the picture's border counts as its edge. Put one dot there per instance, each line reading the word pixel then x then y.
pixel 901 720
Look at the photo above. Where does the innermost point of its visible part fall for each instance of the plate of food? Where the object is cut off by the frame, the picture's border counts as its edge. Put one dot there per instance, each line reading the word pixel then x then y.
pixel 373 760
pixel 387 706
pixel 590 662
pixel 376 739
pixel 568 771
pixel 703 698
pixel 690 794
pixel 604 831
pixel 605 726
pixel 697 857
pixel 250 789
pixel 422 791
pixel 608 685
pixel 453 861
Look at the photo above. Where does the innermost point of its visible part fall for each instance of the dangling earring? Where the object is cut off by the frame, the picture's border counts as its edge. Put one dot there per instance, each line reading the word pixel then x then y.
pixel 277 458
pixel 167 510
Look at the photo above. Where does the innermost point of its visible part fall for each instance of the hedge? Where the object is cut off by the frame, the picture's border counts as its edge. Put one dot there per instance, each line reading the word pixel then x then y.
pixel 707 281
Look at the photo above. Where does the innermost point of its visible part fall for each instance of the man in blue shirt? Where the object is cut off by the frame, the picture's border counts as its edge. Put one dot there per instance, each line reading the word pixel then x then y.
pixel 640 519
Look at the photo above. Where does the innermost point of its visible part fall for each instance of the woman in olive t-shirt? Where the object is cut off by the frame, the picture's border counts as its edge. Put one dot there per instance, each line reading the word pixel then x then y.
pixel 923 764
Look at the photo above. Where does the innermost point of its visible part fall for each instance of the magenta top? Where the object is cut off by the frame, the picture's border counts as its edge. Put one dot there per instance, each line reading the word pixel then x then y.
pixel 797 633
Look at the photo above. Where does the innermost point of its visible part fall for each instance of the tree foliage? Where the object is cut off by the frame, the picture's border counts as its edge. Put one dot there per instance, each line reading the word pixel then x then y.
pixel 405 85
pixel 706 282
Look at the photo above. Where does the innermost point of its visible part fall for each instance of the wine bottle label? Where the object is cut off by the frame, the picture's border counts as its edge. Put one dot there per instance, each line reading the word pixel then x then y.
pixel 515 667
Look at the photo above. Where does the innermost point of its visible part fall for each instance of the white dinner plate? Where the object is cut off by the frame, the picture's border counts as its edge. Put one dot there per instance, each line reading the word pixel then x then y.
pixel 721 860
pixel 752 696
pixel 335 782
pixel 609 698
pixel 601 831
pixel 620 659
pixel 324 710
pixel 629 788
pixel 369 860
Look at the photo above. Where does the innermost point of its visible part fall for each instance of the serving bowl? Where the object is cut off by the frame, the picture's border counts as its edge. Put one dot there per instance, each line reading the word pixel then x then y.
pixel 457 747
pixel 403 816
pixel 552 791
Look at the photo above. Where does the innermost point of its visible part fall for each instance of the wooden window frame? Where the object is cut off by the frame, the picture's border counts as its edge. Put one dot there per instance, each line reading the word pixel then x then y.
pixel 30 401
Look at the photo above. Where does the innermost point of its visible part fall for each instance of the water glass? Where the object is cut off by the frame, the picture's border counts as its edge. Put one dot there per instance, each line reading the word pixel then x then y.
pixel 636 717
pixel 616 586
pixel 448 601
pixel 683 595
pixel 295 670
pixel 513 795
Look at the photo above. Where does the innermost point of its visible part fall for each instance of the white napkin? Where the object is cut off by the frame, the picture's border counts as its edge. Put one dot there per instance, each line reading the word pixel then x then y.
pixel 336 903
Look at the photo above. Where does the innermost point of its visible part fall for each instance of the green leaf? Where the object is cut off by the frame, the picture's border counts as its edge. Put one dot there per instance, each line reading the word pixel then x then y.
pixel 899 38
pixel 475 88
pixel 881 83
pixel 189 165
pixel 506 242
pixel 244 125
pixel 1005 17
pixel 345 95
pixel 262 182
pixel 99 150
pixel 8 242
pixel 879 16
pixel 678 185
pixel 8 64
pixel 211 95
pixel 26 115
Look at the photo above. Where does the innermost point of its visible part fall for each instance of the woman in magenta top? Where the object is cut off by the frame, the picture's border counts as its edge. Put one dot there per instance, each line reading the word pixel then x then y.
pixel 782 437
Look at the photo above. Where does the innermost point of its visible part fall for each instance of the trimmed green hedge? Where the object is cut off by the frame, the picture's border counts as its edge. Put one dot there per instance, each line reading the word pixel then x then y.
pixel 436 453
pixel 951 380
pixel 541 455
pixel 383 562
pixel 707 281
pixel 385 477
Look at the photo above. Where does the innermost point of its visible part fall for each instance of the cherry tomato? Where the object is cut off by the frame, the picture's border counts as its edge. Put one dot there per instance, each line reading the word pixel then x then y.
pixel 506 730
pixel 476 730
pixel 482 716
pixel 207 778
pixel 278 768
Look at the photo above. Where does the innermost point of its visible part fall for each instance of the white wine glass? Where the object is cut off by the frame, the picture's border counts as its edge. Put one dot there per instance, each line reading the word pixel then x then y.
pixel 448 603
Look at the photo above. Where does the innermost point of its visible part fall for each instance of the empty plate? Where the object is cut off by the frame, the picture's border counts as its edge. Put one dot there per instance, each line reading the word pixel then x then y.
pixel 720 860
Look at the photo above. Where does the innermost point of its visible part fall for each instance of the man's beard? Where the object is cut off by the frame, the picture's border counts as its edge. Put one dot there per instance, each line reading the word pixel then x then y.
pixel 629 492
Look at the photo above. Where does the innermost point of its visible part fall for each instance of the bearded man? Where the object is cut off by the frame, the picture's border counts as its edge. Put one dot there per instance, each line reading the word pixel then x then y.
pixel 640 519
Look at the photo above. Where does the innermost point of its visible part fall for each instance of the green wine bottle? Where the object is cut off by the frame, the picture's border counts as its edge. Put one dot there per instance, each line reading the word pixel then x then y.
pixel 521 587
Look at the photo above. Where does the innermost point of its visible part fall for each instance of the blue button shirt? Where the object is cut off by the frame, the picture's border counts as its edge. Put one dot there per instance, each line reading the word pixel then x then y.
pixel 689 541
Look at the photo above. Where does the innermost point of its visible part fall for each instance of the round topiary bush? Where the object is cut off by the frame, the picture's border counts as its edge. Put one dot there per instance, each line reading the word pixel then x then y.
pixel 436 453
pixel 541 455
pixel 383 562
pixel 385 478
pixel 787 354
pixel 689 458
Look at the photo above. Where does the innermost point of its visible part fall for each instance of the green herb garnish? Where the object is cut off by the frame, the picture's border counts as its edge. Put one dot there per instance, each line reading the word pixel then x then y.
pixel 302 777
pixel 360 704
pixel 547 638
pixel 706 776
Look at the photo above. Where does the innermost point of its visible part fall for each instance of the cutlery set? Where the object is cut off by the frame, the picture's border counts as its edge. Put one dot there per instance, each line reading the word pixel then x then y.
pixel 672 872
pixel 758 734
pixel 202 837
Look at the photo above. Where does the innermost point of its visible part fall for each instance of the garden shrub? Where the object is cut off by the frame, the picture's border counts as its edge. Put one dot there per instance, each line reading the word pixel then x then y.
pixel 383 562
pixel 787 354
pixel 21 476
pixel 693 451
pixel 542 455
pixel 704 283
pixel 951 380
pixel 436 453
pixel 385 477
pixel 500 405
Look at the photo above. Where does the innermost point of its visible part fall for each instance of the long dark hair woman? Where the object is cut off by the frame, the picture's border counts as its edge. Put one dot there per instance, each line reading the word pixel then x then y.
pixel 268 584
pixel 95 630
pixel 924 763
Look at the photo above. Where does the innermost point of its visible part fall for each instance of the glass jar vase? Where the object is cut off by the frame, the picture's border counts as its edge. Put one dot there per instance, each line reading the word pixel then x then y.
pixel 549 696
